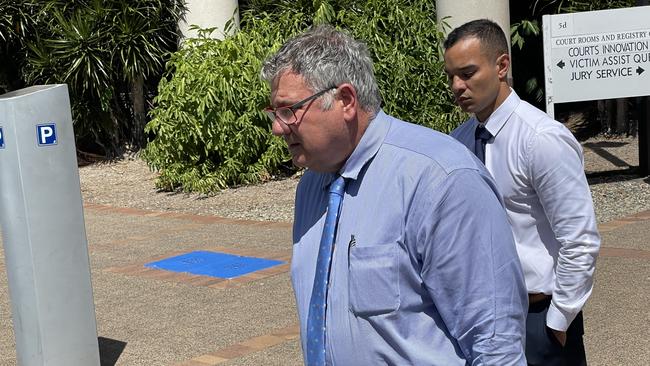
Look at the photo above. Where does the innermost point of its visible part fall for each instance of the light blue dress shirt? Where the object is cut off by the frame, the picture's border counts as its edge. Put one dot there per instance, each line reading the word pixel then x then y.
pixel 424 270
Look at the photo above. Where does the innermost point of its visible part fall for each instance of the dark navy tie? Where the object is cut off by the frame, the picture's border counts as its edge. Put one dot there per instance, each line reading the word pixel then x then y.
pixel 316 319
pixel 482 136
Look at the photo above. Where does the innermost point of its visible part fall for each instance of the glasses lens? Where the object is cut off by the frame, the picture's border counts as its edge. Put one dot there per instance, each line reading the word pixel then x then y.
pixel 285 114
pixel 270 113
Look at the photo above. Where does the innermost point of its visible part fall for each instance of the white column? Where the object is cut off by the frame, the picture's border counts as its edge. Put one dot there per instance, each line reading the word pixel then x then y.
pixel 209 14
pixel 460 12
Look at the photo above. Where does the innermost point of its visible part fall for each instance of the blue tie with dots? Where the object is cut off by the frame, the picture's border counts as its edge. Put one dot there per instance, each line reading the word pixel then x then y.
pixel 482 136
pixel 316 318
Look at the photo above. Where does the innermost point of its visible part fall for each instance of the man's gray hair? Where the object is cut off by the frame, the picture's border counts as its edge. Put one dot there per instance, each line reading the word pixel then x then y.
pixel 324 57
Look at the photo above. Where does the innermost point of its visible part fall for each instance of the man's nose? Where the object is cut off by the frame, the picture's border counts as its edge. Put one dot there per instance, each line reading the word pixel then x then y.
pixel 457 84
pixel 280 129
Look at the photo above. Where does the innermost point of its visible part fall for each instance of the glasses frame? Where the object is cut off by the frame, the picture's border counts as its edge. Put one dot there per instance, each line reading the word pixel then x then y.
pixel 273 115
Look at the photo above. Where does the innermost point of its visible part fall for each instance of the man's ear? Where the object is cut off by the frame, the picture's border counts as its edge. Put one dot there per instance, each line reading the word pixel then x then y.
pixel 503 65
pixel 347 97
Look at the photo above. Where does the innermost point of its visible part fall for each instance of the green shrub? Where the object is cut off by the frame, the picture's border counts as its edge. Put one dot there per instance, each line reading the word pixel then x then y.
pixel 406 44
pixel 210 131
pixel 208 121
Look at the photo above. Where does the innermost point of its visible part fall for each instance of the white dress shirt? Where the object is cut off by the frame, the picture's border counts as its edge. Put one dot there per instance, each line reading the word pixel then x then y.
pixel 539 170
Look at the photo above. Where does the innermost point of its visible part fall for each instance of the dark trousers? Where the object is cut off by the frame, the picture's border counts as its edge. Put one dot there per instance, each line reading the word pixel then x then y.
pixel 543 349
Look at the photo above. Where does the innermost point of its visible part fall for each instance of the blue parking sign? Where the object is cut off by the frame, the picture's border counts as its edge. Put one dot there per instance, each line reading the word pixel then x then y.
pixel 46 134
pixel 2 138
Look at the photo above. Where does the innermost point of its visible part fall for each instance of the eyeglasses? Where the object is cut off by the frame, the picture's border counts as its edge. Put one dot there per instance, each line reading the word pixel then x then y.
pixel 287 115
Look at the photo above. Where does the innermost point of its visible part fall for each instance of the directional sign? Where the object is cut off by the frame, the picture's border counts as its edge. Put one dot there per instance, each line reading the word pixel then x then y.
pixel 597 55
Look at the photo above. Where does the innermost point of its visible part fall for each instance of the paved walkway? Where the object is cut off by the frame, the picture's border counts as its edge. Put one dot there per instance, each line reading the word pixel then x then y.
pixel 153 317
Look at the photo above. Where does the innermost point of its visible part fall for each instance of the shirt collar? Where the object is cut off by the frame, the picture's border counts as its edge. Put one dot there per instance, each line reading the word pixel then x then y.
pixel 366 149
pixel 500 116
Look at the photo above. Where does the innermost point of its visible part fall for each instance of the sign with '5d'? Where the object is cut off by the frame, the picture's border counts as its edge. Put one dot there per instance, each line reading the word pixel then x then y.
pixel 597 54
pixel 46 134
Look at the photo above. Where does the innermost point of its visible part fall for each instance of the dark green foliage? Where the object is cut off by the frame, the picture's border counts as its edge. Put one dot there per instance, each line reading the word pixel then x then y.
pixel 572 6
pixel 107 51
pixel 210 132
pixel 15 21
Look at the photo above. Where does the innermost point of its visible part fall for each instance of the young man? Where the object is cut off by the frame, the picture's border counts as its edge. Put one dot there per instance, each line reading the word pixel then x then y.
pixel 402 253
pixel 538 167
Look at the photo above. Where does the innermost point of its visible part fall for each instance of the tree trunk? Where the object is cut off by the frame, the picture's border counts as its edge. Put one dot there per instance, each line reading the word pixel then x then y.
pixel 139 113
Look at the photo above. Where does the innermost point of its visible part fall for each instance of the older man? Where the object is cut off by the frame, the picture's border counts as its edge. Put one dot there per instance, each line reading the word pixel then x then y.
pixel 538 167
pixel 402 252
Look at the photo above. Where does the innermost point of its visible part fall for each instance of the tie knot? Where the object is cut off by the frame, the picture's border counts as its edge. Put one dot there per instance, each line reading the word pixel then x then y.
pixel 482 133
pixel 338 186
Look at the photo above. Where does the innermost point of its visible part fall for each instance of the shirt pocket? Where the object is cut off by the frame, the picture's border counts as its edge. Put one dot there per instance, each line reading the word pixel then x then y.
pixel 373 279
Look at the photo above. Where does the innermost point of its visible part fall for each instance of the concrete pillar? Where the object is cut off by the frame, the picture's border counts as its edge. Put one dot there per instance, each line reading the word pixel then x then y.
pixel 459 12
pixel 210 14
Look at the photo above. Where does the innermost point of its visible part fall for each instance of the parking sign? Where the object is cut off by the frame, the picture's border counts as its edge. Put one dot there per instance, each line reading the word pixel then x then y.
pixel 46 134
pixel 2 138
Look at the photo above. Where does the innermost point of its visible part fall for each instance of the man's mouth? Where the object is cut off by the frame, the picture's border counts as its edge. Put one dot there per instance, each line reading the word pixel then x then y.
pixel 293 145
pixel 461 99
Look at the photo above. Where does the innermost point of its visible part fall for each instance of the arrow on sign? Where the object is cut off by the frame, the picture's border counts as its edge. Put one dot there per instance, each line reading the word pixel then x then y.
pixel 561 64
pixel 639 70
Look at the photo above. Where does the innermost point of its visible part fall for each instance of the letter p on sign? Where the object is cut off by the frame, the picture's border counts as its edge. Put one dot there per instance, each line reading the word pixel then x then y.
pixel 46 134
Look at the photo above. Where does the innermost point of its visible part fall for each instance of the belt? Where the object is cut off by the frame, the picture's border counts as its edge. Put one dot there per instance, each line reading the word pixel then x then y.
pixel 535 298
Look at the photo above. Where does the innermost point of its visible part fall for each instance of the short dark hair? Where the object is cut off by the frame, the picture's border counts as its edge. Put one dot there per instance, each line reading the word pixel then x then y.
pixel 493 39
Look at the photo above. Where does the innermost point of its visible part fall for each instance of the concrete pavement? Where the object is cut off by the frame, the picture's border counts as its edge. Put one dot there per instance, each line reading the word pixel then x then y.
pixel 154 317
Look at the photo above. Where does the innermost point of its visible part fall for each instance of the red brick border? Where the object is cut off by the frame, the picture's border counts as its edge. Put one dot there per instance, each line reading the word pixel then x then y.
pixel 184 216
pixel 623 221
pixel 246 347
pixel 604 227
pixel 609 252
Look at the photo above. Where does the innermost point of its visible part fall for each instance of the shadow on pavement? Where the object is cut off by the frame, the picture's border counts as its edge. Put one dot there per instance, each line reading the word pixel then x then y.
pixel 110 350
pixel 616 175
pixel 598 148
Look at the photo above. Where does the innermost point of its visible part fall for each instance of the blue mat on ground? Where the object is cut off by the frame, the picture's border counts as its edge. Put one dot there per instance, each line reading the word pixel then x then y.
pixel 213 264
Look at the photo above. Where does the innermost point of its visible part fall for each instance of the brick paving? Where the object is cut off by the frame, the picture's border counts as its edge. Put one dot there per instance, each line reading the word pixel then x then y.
pixel 254 314
pixel 292 332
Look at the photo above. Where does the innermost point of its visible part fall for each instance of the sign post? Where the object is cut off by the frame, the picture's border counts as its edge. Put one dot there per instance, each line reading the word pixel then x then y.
pixel 597 55
pixel 643 106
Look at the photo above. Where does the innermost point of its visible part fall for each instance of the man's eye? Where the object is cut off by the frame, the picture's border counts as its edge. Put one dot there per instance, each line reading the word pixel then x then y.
pixel 284 113
pixel 467 75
